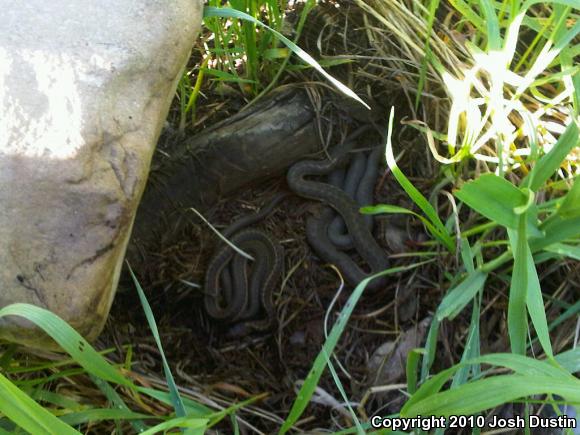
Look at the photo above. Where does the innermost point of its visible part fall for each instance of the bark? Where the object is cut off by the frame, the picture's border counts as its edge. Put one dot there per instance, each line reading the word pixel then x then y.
pixel 253 145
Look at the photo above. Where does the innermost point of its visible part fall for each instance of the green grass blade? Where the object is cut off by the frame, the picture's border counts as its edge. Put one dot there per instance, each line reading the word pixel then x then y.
pixel 394 209
pixel 70 340
pixel 442 234
pixel 572 310
pixel 493 197
pixel 457 298
pixel 488 393
pixel 535 304
pixel 340 388
pixel 194 409
pixel 430 348
pixel 433 6
pixel 467 13
pixel 411 368
pixel 224 75
pixel 173 391
pixel 570 360
pixel 494 41
pixel 116 402
pixel 467 255
pixel 232 13
pixel 95 415
pixel 524 365
pixel 550 162
pixel 249 37
pixel 193 426
pixel 29 415
pixel 565 250
pixel 556 230
pixel 472 346
pixel 572 79
pixel 59 400
pixel 520 364
pixel 570 207
pixel 517 315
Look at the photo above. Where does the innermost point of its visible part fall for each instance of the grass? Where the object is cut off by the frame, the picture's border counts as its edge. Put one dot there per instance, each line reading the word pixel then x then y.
pixel 495 92
pixel 247 50
pixel 510 138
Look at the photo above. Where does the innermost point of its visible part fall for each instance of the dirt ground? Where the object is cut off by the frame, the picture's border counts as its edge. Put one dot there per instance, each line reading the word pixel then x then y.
pixel 371 354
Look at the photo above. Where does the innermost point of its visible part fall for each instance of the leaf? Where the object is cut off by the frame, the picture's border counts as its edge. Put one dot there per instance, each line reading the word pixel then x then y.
pixel 116 402
pixel 556 229
pixel 488 393
pixel 570 207
pixel 492 26
pixel 566 250
pixel 517 315
pixel 550 162
pixel 29 415
pixel 440 231
pixel 472 346
pixel 209 11
pixel 176 400
pixel 430 348
pixel 193 409
pixel 225 76
pixel 494 198
pixel 433 6
pixel 522 365
pixel 535 304
pixel 411 369
pixel 394 209
pixel 194 425
pixel 457 298
pixel 570 360
pixel 94 415
pixel 70 340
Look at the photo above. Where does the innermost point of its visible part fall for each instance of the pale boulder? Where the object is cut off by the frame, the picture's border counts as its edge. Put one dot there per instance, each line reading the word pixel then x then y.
pixel 85 87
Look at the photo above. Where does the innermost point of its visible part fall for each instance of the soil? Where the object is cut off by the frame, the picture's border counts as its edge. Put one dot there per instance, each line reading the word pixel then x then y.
pixel 200 350
pixel 271 365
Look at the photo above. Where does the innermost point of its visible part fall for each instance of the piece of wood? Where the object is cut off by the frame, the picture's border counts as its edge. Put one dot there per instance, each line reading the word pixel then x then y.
pixel 253 145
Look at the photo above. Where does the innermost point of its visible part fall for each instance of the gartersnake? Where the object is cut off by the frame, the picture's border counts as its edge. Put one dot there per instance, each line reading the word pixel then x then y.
pixel 240 294
pixel 237 293
pixel 347 207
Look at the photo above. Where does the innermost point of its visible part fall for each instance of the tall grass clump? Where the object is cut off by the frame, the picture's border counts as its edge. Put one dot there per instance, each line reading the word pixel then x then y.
pixel 241 49
pixel 503 81
pixel 496 93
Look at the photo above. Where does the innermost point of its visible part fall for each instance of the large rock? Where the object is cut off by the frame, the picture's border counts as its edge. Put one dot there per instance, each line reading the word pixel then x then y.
pixel 84 89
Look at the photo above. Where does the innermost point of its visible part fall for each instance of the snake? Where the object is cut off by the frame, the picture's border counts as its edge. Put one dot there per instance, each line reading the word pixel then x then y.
pixel 358 181
pixel 236 292
pixel 235 295
pixel 338 200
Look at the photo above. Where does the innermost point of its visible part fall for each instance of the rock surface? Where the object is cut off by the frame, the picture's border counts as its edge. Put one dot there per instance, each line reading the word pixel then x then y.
pixel 84 89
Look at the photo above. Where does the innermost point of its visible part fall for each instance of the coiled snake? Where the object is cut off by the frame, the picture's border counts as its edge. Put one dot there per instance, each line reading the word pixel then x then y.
pixel 228 296
pixel 317 227
pixel 231 298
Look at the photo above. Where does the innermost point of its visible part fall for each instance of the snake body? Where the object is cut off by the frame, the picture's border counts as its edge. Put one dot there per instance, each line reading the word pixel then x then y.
pixel 235 291
pixel 347 207
pixel 358 182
